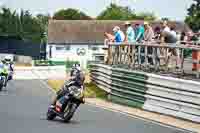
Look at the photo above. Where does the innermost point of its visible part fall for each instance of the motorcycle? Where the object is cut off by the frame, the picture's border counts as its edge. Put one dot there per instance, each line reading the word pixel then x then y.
pixel 10 69
pixel 3 77
pixel 67 105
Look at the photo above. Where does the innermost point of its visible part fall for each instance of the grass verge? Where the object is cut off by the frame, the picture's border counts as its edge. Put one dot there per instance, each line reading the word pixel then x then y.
pixel 91 90
pixel 23 65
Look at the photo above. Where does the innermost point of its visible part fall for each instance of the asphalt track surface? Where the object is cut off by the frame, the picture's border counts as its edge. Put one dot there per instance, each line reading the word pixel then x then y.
pixel 23 106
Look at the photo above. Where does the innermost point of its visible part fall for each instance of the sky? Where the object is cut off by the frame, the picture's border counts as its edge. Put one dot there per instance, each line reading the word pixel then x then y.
pixel 173 9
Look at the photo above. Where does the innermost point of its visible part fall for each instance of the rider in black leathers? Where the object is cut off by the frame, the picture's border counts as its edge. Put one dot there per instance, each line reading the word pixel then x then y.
pixel 76 75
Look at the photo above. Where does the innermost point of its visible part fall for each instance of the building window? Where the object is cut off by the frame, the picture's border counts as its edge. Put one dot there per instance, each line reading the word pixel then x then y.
pixel 59 48
pixel 63 48
pixel 95 48
pixel 67 47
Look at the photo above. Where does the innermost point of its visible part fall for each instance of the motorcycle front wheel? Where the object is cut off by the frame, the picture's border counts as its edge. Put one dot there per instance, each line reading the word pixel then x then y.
pixel 69 112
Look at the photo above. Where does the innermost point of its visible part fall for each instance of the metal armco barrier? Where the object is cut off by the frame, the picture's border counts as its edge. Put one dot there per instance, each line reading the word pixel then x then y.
pixel 166 95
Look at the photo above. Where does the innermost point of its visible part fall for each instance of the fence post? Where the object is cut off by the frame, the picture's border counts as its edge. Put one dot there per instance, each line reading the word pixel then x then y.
pixel 182 60
pixel 126 54
pixel 139 56
pixel 109 57
pixel 115 51
pixel 128 57
pixel 133 48
pixel 146 55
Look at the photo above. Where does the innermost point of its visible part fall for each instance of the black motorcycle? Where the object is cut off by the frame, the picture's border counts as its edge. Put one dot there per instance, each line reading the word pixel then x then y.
pixel 67 105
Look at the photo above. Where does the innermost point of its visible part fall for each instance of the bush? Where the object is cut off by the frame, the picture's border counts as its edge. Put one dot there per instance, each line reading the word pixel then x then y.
pixel 41 63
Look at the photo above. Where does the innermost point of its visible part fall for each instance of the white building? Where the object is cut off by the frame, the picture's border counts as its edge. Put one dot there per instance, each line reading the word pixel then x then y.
pixel 76 52
pixel 76 40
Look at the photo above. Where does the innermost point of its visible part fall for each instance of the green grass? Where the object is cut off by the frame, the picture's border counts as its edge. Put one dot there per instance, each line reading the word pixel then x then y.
pixel 91 90
pixel 68 64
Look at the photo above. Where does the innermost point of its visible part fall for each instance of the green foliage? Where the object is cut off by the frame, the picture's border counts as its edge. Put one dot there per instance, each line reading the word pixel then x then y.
pixel 147 16
pixel 69 64
pixel 70 14
pixel 165 19
pixel 32 28
pixel 193 18
pixel 41 63
pixel 22 24
pixel 115 12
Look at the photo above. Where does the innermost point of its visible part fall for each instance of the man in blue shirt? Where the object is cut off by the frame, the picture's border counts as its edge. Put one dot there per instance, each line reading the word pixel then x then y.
pixel 117 34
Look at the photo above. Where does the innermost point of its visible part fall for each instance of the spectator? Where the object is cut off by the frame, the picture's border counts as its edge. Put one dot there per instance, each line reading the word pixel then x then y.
pixel 173 32
pixel 130 34
pixel 139 32
pixel 117 35
pixel 148 37
pixel 178 36
pixel 183 38
pixel 149 33
pixel 166 35
pixel 121 33
pixel 157 32
pixel 165 26
pixel 109 37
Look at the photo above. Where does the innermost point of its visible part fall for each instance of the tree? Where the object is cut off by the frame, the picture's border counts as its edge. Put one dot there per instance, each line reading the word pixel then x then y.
pixel 114 12
pixel 193 18
pixel 43 21
pixel 70 14
pixel 165 19
pixel 148 16
pixel 21 24
pixel 7 21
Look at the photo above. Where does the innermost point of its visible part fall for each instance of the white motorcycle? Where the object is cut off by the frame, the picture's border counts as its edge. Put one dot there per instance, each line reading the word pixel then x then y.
pixel 10 68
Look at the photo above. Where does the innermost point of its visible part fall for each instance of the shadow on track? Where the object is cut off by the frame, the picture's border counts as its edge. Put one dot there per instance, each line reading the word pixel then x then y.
pixel 60 121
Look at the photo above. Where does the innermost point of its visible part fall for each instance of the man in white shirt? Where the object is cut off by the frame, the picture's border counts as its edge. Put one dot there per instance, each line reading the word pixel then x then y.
pixel 167 36
pixel 165 26
pixel 173 32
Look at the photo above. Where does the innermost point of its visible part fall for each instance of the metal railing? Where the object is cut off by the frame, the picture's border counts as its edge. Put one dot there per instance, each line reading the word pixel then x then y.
pixel 152 56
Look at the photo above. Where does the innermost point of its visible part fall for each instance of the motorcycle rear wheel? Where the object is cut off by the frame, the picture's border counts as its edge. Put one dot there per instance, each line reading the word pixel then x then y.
pixel 1 87
pixel 50 115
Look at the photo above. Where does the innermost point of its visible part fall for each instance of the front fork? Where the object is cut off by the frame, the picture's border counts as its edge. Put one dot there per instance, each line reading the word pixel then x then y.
pixel 4 81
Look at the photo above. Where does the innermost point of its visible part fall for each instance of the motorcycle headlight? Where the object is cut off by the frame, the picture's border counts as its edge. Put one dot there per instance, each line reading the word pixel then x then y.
pixel 77 93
